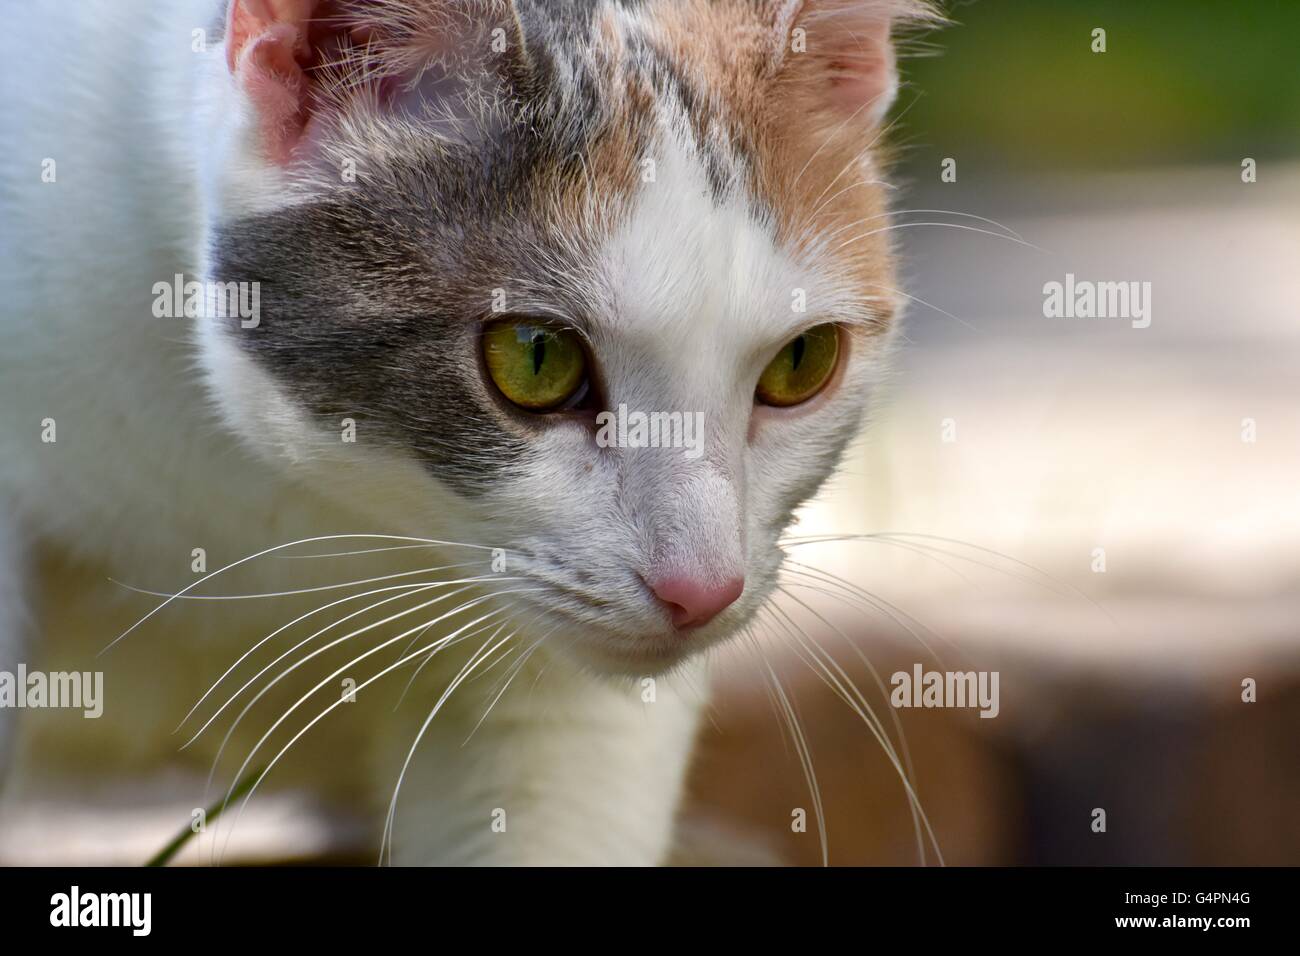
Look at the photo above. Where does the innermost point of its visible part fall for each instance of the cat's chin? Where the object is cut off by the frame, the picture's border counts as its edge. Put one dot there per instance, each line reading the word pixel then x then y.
pixel 652 659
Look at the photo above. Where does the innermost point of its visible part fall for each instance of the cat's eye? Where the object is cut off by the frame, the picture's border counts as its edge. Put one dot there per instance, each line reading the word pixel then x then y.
pixel 539 367
pixel 802 368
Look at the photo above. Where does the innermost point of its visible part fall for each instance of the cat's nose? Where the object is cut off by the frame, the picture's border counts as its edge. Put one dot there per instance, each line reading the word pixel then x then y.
pixel 692 602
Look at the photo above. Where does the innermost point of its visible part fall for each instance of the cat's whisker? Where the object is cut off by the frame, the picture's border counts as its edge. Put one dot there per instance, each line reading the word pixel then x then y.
pixel 349 554
pixel 442 641
pixel 870 668
pixel 856 161
pixel 878 725
pixel 1054 584
pixel 838 592
pixel 475 660
pixel 404 588
pixel 862 152
pixel 247 707
pixel 857 650
pixel 509 678
pixel 827 669
pixel 230 732
pixel 429 657
pixel 1044 579
pixel 273 550
pixel 949 225
pixel 873 601
pixel 312 590
pixel 468 584
pixel 874 723
pixel 929 305
pixel 928 554
pixel 781 702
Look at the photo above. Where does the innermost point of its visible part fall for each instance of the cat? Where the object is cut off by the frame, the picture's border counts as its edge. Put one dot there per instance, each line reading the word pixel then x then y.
pixel 451 234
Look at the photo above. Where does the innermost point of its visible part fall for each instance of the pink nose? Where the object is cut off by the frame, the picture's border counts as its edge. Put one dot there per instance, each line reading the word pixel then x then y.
pixel 693 603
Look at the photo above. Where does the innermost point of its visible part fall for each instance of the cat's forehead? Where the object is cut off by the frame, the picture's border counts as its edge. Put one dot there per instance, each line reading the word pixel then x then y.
pixel 690 261
pixel 704 202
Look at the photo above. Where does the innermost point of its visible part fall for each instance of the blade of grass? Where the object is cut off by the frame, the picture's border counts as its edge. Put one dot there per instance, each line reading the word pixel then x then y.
pixel 165 855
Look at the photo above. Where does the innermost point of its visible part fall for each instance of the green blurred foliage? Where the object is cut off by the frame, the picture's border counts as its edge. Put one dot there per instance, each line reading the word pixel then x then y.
pixel 1016 82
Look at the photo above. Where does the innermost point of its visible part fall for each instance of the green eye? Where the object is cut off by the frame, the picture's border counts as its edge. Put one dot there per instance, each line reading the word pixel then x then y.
pixel 802 368
pixel 538 367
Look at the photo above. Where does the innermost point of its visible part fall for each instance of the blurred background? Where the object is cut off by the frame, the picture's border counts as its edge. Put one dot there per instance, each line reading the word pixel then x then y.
pixel 1016 456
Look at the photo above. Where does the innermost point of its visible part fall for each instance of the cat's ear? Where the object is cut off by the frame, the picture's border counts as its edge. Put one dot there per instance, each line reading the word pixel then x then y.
pixel 838 55
pixel 301 62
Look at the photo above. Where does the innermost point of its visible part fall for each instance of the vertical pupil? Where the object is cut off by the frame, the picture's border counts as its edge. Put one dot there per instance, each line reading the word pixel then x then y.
pixel 539 351
pixel 798 347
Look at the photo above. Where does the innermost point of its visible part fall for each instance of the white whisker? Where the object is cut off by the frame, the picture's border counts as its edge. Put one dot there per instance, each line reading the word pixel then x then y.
pixel 413 587
pixel 444 641
pixel 473 662
pixel 906 771
pixel 817 658
pixel 467 582
pixel 949 225
pixel 786 709
pixel 280 547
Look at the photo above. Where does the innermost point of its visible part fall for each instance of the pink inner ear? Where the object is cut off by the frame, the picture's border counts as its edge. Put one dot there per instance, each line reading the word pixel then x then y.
pixel 849 46
pixel 266 47
pixel 864 79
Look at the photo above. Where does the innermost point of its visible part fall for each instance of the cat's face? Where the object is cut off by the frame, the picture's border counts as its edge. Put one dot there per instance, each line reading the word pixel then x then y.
pixel 481 234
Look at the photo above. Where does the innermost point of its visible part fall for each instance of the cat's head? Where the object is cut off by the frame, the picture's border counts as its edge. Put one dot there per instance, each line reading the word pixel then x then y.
pixel 477 225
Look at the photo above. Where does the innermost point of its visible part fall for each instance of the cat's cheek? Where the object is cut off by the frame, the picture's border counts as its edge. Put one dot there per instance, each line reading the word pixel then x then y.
pixel 249 401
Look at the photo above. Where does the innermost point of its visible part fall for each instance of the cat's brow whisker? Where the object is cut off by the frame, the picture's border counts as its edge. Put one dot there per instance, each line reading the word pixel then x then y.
pixel 831 138
pixel 949 225
pixel 965 215
pixel 277 548
pixel 930 305
pixel 1008 232
pixel 863 152
pixel 859 184
pixel 894 214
